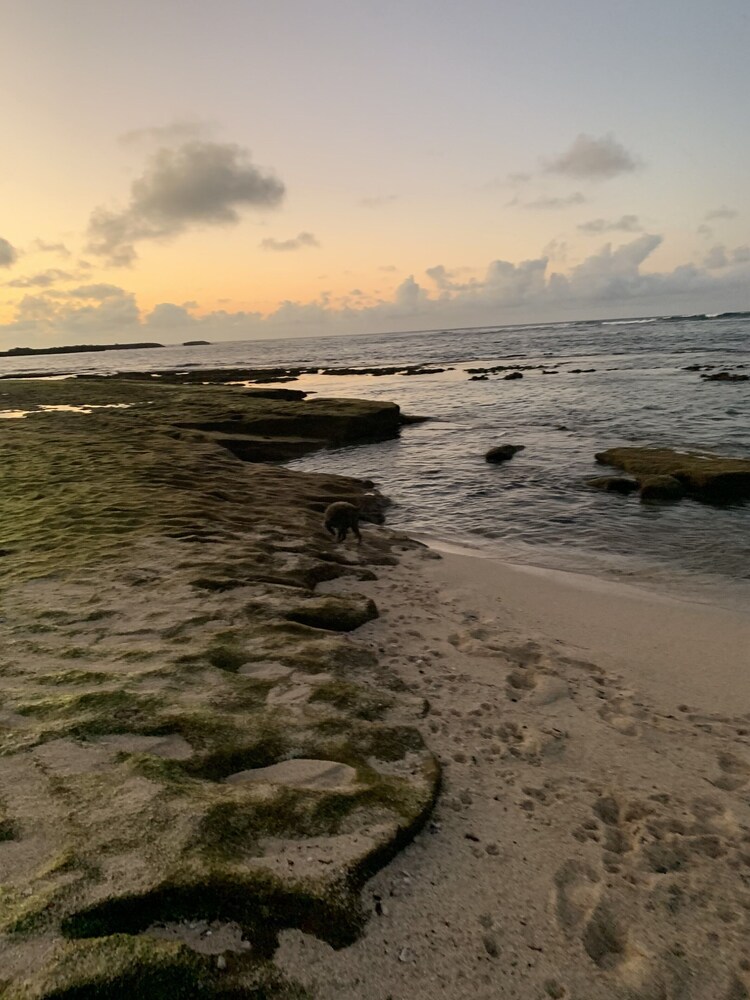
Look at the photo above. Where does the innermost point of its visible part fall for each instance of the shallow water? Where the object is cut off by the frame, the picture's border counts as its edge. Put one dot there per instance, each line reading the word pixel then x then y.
pixel 536 508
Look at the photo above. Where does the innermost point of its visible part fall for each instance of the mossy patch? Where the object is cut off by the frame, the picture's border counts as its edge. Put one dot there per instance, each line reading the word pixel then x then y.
pixel 352 698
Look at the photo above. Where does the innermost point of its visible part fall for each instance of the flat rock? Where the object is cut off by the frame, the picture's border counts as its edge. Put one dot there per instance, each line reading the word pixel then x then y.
pixel 503 452
pixel 707 477
pixel 266 670
pixel 324 775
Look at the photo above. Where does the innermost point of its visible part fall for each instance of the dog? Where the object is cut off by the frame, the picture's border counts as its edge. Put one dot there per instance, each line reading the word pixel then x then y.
pixel 340 518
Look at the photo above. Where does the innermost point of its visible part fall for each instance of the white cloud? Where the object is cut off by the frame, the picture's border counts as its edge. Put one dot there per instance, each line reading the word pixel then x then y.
pixel 8 253
pixel 625 224
pixel 296 243
pixel 196 183
pixel 595 159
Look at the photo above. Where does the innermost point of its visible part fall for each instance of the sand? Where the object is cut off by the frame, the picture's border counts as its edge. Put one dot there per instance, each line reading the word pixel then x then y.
pixel 592 837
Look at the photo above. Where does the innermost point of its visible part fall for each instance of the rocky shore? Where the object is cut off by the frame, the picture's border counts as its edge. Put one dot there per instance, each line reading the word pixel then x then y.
pixel 196 754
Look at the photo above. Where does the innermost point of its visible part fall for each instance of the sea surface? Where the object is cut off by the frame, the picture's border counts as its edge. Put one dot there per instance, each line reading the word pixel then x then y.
pixel 535 509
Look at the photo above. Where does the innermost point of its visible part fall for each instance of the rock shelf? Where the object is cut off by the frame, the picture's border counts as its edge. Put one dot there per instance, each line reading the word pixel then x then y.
pixel 162 638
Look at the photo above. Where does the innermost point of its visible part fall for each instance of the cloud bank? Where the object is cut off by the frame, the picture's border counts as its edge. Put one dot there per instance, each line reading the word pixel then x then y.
pixel 196 183
pixel 625 224
pixel 610 282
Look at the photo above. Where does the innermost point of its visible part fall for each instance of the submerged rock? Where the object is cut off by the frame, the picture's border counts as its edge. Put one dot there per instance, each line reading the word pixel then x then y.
pixel 614 484
pixel 662 488
pixel 706 477
pixel 512 375
pixel 725 377
pixel 503 452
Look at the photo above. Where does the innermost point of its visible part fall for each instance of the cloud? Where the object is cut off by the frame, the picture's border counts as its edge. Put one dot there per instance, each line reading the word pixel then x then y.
pixel 594 159
pixel 716 258
pixel 296 243
pixel 8 253
pixel 378 200
pixel 43 279
pixel 196 183
pixel 625 224
pixel 445 280
pixel 59 248
pixel 613 281
pixel 552 203
pixel 519 177
pixel 723 212
pixel 168 316
pixel 705 231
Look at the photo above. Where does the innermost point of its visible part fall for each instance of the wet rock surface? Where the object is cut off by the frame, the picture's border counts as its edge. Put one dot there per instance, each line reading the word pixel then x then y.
pixel 706 477
pixel 503 453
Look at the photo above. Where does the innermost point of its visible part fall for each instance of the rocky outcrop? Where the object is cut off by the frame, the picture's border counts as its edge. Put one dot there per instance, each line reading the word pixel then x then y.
pixel 706 477
pixel 503 453
pixel 168 645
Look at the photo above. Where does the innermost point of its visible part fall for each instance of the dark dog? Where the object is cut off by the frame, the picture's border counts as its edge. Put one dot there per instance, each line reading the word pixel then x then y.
pixel 340 518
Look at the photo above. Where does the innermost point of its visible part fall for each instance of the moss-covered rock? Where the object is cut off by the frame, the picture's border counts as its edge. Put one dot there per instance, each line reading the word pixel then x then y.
pixel 337 614
pixel 147 572
pixel 706 477
pixel 661 488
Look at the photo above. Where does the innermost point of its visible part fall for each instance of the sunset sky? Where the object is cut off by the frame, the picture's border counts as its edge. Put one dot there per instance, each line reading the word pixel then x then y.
pixel 260 168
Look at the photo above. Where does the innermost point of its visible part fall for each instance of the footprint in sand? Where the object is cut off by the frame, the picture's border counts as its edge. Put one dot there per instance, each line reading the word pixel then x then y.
pixel 577 892
pixel 735 772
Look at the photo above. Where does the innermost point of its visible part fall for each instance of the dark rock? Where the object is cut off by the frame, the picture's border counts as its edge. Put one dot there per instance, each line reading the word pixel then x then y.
pixel 580 371
pixel 337 614
pixel 513 375
pixel 725 377
pixel 706 477
pixel 196 343
pixel 478 378
pixel 503 452
pixel 614 484
pixel 275 393
pixel 661 488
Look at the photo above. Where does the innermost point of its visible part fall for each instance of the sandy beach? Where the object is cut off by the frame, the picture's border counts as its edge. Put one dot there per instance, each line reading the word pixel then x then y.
pixel 591 840
pixel 242 760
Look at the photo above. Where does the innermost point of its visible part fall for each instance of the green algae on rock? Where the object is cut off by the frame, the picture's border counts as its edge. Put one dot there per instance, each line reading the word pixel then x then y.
pixel 710 478
pixel 152 579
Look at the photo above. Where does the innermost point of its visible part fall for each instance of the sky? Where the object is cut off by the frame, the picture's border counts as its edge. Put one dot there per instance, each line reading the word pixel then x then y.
pixel 249 169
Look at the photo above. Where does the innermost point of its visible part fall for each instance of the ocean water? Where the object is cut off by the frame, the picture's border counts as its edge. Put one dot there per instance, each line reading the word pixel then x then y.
pixel 535 509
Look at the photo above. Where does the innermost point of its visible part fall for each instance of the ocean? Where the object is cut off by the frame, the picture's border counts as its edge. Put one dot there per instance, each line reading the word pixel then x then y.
pixel 535 509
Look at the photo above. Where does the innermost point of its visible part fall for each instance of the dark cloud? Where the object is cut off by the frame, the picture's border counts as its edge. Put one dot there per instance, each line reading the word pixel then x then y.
pixel 723 212
pixel 378 201
pixel 197 183
pixel 295 243
pixel 59 248
pixel 595 159
pixel 43 279
pixel 625 224
pixel 705 231
pixel 552 203
pixel 741 255
pixel 8 253
pixel 716 258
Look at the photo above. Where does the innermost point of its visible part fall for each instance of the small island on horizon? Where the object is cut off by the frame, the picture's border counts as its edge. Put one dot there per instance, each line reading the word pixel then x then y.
pixel 19 352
